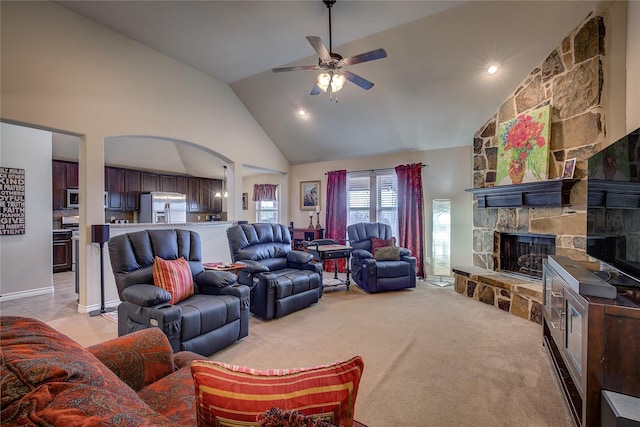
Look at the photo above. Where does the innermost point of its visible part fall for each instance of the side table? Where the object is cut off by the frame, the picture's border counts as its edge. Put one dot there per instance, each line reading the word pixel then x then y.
pixel 221 266
pixel 334 252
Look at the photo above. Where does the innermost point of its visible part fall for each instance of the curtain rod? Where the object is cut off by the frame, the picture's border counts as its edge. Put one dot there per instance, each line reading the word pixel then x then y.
pixel 373 170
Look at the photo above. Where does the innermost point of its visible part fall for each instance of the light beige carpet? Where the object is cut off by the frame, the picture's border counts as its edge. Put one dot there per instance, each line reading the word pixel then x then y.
pixel 432 357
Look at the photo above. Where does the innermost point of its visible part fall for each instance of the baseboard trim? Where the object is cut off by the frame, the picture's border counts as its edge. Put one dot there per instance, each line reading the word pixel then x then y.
pixel 26 294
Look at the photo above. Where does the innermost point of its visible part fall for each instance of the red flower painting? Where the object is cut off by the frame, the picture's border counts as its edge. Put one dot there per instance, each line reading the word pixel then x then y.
pixel 524 145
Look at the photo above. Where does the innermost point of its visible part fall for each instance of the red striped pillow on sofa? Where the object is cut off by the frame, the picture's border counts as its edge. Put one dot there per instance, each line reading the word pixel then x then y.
pixel 228 395
pixel 175 277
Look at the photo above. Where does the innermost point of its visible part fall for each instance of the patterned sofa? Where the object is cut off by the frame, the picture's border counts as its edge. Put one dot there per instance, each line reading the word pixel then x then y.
pixel 49 379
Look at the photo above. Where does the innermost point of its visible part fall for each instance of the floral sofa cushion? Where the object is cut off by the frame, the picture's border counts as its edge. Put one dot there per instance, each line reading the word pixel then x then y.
pixel 46 378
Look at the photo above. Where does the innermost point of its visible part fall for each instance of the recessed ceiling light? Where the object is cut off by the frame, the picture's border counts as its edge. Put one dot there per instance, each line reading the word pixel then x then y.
pixel 492 69
pixel 302 113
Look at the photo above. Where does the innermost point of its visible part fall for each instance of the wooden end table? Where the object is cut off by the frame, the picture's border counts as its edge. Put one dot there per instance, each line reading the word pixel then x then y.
pixel 334 252
pixel 233 267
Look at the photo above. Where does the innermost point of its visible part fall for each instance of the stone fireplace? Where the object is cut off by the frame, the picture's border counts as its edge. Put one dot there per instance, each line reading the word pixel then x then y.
pixel 572 80
pixel 522 253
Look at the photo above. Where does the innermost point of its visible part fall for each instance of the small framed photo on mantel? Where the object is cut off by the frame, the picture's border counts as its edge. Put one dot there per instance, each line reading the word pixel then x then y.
pixel 569 168
pixel 309 195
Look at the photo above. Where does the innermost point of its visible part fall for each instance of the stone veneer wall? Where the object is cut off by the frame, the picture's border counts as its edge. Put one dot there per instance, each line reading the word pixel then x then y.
pixel 571 80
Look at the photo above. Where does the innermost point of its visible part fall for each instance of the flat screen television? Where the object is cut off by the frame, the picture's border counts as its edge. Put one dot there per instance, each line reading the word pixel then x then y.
pixel 613 206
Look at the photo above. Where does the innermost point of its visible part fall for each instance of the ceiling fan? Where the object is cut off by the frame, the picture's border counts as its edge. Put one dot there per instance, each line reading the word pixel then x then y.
pixel 333 65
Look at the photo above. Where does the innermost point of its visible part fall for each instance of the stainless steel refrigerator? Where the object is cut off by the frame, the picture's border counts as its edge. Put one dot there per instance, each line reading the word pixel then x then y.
pixel 160 207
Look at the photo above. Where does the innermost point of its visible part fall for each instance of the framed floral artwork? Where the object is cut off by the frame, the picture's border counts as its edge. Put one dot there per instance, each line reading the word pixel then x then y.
pixel 523 148
pixel 309 195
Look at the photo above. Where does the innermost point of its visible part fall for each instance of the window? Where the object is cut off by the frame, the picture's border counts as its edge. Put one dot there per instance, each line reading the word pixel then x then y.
pixel 267 211
pixel 383 207
pixel 441 237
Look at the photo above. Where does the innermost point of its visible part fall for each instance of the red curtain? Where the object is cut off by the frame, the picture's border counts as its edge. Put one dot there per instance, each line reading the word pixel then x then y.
pixel 410 211
pixel 336 215
pixel 264 192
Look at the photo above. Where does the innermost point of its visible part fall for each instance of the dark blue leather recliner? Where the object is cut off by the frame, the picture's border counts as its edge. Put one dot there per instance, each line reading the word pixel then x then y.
pixel 281 280
pixel 378 276
pixel 216 316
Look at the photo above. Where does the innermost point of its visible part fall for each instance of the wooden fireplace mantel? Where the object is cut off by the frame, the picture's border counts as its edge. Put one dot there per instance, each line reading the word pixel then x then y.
pixel 553 192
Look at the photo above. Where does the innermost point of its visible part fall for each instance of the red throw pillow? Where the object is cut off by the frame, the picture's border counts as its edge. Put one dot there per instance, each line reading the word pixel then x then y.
pixel 381 243
pixel 175 277
pixel 228 395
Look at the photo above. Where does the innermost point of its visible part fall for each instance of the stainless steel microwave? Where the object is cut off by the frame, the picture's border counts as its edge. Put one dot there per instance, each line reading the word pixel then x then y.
pixel 73 197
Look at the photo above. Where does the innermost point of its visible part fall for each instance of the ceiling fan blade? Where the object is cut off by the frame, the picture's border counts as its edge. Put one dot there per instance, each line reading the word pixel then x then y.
pixel 356 79
pixel 298 68
pixel 320 48
pixel 364 57
pixel 316 90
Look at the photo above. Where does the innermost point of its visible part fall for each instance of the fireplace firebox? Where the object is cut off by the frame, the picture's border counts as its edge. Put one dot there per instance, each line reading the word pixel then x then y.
pixel 524 253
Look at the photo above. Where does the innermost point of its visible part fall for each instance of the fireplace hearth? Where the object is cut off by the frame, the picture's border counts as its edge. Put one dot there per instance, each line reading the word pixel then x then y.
pixel 523 253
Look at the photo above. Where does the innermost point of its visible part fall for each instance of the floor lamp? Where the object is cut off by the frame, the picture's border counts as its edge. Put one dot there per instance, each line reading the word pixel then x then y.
pixel 100 234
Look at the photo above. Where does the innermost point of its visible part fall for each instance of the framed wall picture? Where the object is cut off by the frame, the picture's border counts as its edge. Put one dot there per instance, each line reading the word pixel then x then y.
pixel 245 201
pixel 523 147
pixel 309 195
pixel 569 168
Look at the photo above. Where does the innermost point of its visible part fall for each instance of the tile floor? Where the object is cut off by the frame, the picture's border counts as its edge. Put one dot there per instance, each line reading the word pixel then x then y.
pixel 60 310
pixel 62 302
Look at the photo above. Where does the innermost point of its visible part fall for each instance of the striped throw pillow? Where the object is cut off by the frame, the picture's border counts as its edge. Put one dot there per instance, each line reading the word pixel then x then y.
pixel 229 395
pixel 173 276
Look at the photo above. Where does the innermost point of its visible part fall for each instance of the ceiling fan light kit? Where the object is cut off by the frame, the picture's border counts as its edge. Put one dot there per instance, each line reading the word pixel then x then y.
pixel 334 73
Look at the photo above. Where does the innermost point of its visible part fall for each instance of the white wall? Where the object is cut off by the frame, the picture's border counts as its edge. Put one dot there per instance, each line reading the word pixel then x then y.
pixel 64 72
pixel 447 175
pixel 26 259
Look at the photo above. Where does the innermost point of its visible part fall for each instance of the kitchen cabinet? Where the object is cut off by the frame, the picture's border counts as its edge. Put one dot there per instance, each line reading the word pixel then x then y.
pixel 193 195
pixel 200 195
pixel 216 202
pixel 131 190
pixel 206 196
pixel 124 186
pixel 114 183
pixel 59 184
pixel 149 182
pixel 182 184
pixel 72 175
pixel 62 260
pixel 168 183
pixel 63 175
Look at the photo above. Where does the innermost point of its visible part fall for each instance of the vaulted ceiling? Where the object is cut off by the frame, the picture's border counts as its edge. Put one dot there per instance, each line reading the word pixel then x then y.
pixel 431 91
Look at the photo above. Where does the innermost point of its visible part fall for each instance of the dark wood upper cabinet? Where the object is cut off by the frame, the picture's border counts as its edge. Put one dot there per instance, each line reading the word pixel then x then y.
pixel 206 196
pixel 182 184
pixel 115 188
pixel 125 185
pixel 59 184
pixel 149 182
pixel 132 190
pixel 72 175
pixel 168 183
pixel 193 195
pixel 216 202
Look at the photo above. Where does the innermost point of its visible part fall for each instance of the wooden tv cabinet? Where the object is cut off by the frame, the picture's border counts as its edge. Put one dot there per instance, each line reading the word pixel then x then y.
pixel 593 342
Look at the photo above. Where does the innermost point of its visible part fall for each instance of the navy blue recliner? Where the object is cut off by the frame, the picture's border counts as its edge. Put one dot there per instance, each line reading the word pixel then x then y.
pixel 378 276
pixel 281 280
pixel 216 316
